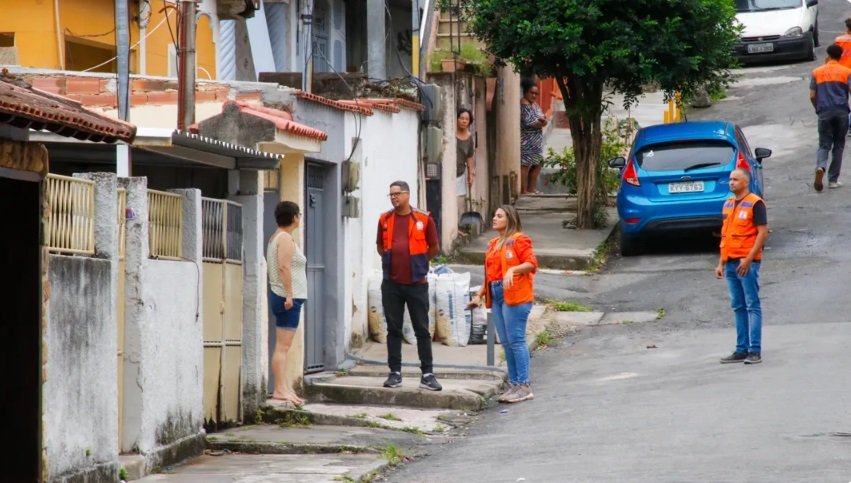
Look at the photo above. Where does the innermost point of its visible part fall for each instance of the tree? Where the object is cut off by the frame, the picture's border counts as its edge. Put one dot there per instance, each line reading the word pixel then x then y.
pixel 592 47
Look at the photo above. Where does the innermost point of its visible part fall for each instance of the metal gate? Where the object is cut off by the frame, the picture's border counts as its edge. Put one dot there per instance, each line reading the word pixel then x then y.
pixel 222 305
pixel 315 244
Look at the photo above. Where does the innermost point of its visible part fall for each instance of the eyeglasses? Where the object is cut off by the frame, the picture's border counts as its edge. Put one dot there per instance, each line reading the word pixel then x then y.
pixel 396 194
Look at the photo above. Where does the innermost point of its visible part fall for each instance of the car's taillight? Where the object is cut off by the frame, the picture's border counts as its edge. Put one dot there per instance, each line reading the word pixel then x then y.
pixel 742 162
pixel 630 175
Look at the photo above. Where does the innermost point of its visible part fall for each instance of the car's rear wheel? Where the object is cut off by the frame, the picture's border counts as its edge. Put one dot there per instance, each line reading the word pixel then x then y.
pixel 630 245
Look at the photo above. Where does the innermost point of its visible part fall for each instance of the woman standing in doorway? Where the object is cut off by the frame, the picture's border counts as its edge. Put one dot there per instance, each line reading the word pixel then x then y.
pixel 508 290
pixel 287 267
pixel 532 123
pixel 465 148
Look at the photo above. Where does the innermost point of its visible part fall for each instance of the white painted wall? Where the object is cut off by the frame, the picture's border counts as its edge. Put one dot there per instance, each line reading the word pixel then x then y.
pixel 388 153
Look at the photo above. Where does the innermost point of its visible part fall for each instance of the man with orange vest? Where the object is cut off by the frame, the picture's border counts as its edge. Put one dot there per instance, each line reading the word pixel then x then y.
pixel 829 89
pixel 407 240
pixel 743 235
pixel 844 41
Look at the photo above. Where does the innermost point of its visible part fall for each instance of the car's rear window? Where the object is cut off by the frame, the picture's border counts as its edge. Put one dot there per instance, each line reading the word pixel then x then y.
pixel 684 155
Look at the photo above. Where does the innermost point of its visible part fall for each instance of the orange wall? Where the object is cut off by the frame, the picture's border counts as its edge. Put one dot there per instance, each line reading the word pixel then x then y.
pixel 34 25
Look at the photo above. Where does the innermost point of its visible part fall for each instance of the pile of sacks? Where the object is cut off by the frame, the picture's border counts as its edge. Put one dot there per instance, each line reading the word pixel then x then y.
pixel 449 321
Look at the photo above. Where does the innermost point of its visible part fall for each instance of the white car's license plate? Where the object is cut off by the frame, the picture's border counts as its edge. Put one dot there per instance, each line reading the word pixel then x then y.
pixel 686 187
pixel 760 48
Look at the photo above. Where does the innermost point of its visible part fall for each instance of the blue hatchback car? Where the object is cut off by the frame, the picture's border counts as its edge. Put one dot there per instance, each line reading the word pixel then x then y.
pixel 677 177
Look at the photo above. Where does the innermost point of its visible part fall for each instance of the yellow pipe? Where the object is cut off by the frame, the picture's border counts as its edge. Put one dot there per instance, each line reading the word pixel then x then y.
pixel 415 55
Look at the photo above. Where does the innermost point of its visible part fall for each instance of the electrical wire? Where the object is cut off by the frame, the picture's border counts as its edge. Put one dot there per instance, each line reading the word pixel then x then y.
pixel 132 46
pixel 358 115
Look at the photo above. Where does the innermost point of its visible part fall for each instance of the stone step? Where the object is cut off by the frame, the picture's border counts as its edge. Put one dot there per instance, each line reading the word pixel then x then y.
pixel 463 394
pixel 447 27
pixel 134 465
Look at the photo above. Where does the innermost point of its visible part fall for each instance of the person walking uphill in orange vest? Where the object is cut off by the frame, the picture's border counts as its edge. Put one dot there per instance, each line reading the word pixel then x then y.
pixel 508 290
pixel 743 235
pixel 844 41
pixel 407 240
pixel 829 90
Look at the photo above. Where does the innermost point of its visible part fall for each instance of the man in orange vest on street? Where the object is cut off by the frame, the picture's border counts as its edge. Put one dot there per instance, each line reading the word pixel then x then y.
pixel 407 240
pixel 844 41
pixel 743 235
pixel 829 88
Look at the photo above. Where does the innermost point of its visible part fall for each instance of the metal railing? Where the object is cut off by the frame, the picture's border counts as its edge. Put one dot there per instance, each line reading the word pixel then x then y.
pixel 165 225
pixel 221 225
pixel 70 221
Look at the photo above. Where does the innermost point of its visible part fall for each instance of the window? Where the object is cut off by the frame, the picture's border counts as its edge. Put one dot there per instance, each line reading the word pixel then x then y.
pixel 683 155
pixel 8 52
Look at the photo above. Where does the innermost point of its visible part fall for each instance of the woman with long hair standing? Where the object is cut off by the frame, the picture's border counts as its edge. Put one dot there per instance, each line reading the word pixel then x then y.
pixel 510 265
pixel 287 267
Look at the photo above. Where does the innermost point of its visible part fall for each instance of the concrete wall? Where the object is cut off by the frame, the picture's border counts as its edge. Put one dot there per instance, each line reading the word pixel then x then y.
pixel 80 395
pixel 163 372
pixel 254 315
pixel 383 159
pixel 507 105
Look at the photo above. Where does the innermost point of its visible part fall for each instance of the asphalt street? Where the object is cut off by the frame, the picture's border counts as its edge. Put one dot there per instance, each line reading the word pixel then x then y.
pixel 650 402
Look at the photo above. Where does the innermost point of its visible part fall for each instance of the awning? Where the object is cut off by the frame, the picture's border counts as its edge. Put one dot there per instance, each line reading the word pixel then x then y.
pixel 162 147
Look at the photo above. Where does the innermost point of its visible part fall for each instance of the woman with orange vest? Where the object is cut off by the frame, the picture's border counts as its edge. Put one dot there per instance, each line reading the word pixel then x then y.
pixel 508 290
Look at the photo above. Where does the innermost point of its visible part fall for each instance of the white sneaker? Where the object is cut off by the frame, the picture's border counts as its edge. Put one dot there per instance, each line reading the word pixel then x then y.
pixel 835 184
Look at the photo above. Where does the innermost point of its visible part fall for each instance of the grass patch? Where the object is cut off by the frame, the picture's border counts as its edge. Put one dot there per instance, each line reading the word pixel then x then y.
pixel 544 338
pixel 569 307
pixel 393 454
pixel 390 417
pixel 360 415
pixel 441 260
pixel 660 312
pixel 294 419
pixel 601 254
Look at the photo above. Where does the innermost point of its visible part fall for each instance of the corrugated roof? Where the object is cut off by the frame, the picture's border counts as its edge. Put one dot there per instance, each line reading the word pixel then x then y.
pixel 29 108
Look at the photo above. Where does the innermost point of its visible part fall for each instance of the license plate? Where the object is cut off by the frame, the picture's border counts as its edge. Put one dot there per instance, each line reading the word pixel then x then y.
pixel 686 187
pixel 760 48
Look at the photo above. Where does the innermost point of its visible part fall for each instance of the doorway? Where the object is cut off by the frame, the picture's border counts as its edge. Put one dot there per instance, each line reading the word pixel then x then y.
pixel 316 215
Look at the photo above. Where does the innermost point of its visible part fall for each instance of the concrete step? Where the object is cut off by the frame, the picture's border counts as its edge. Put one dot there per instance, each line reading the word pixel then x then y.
pixel 462 394
pixel 303 438
pixel 443 42
pixel 133 464
pixel 432 421
pixel 546 202
pixel 447 27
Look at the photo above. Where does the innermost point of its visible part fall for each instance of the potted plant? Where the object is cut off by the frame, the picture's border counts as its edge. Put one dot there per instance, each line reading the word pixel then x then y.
pixel 452 64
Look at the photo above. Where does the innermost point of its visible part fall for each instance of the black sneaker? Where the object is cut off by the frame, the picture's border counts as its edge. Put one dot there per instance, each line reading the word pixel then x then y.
pixel 753 358
pixel 818 184
pixel 394 380
pixel 429 382
pixel 734 357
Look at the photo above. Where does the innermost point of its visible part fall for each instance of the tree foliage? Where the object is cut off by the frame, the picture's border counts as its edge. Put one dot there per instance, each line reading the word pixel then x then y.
pixel 592 47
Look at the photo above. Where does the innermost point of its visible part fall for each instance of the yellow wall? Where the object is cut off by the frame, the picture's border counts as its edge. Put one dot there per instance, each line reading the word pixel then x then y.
pixel 91 22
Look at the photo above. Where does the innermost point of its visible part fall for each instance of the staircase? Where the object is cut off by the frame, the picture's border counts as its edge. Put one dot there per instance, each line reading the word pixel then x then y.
pixel 448 27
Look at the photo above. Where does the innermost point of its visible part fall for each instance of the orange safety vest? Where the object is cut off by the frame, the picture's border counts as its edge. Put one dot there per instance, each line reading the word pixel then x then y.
pixel 738 234
pixel 522 290
pixel 417 242
pixel 844 41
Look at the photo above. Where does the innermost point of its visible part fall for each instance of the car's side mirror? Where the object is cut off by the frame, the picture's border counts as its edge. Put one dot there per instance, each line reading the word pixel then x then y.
pixel 762 153
pixel 812 3
pixel 618 162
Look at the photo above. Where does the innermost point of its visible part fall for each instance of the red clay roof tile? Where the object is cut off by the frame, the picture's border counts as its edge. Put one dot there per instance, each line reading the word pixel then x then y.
pixel 283 120
pixel 31 108
pixel 366 111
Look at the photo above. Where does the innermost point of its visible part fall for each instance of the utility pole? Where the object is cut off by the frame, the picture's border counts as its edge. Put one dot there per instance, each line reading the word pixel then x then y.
pixel 122 47
pixel 307 28
pixel 186 64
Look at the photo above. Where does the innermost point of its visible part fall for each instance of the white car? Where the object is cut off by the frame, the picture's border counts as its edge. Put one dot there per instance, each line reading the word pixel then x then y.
pixel 777 30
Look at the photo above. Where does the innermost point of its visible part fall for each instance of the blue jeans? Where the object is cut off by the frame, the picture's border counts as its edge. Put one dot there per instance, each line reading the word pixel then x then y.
pixel 510 322
pixel 744 298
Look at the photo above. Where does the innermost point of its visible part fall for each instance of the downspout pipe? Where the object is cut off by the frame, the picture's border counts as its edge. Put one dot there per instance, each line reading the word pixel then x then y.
pixel 122 47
